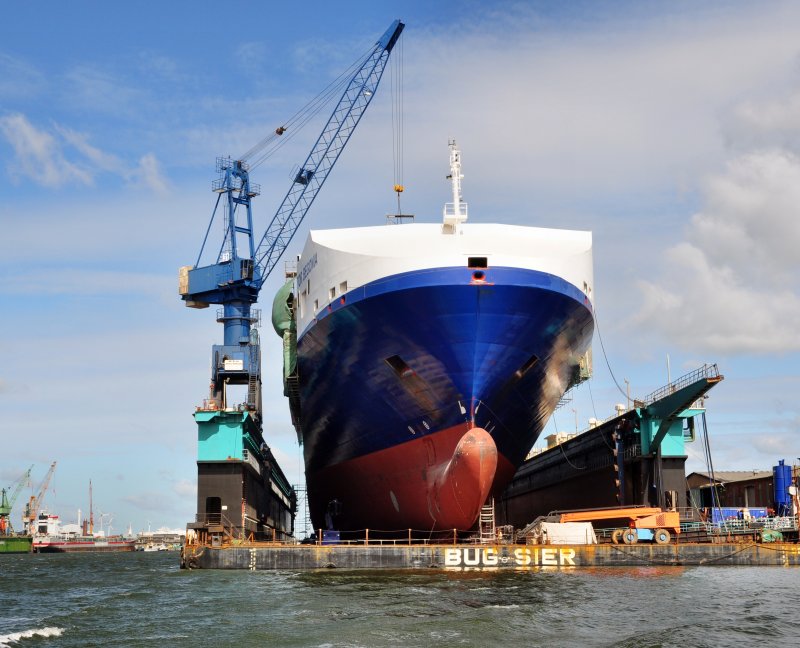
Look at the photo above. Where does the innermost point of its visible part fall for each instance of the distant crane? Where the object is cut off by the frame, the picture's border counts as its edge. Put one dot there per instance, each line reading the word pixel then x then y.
pixel 6 505
pixel 35 503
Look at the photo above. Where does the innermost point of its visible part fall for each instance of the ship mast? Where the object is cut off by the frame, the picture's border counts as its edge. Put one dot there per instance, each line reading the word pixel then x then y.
pixel 455 212
pixel 91 512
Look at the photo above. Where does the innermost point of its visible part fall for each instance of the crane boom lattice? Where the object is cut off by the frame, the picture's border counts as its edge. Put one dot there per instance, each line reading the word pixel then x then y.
pixel 323 156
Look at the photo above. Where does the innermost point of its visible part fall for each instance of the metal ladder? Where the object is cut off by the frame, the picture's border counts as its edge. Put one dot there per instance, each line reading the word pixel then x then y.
pixel 253 392
pixel 486 523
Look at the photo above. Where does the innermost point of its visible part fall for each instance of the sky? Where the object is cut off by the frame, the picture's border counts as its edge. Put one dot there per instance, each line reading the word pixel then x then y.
pixel 670 130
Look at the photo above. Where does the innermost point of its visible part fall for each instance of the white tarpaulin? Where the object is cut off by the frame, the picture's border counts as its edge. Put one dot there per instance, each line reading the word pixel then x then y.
pixel 564 533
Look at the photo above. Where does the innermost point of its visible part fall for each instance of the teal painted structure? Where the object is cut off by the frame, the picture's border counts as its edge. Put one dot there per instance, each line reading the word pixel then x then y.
pixel 662 415
pixel 669 435
pixel 224 435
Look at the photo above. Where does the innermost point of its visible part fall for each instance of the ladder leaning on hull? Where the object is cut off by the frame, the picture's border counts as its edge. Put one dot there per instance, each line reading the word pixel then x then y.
pixel 486 524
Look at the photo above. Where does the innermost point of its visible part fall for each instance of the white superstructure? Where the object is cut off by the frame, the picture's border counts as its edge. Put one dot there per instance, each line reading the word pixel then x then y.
pixel 335 262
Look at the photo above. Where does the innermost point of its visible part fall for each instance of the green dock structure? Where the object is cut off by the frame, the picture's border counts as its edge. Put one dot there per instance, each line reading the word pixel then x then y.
pixel 15 544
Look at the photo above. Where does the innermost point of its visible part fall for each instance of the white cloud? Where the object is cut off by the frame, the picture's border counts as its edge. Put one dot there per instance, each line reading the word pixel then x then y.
pixel 752 216
pixel 764 123
pixel 732 286
pixel 636 107
pixel 101 160
pixel 39 156
pixel 701 306
pixel 185 487
pixel 163 66
pixel 99 91
pixel 84 282
pixel 776 445
pixel 745 450
pixel 150 501
pixel 150 174
pixel 250 56
pixel 147 173
pixel 18 78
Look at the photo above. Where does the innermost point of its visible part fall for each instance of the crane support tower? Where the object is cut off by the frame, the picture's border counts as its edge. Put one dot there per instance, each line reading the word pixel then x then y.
pixel 241 491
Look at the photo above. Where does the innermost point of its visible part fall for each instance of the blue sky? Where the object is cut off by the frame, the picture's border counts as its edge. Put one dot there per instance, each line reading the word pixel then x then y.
pixel 671 130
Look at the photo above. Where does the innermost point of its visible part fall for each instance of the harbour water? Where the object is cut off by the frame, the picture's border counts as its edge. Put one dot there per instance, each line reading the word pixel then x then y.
pixel 144 599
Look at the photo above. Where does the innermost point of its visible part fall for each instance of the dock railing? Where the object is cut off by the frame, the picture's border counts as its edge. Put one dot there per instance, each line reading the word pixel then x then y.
pixel 407 537
pixel 706 371
pixel 215 528
pixel 693 529
pixel 740 527
pixel 228 534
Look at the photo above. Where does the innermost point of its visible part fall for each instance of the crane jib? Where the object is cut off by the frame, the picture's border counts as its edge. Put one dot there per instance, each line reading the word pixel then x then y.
pixel 388 40
pixel 320 161
pixel 222 281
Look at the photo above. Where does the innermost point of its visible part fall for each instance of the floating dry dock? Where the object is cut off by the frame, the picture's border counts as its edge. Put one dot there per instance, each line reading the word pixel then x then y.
pixel 441 556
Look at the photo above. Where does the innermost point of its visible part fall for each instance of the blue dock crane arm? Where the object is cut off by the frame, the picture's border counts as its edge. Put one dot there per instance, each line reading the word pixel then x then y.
pixel 335 135
pixel 239 275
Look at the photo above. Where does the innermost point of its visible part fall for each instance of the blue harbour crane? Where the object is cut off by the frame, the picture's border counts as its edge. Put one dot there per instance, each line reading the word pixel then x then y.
pixel 233 282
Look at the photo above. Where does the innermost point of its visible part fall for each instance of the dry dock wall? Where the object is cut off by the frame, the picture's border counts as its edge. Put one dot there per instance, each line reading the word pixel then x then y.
pixel 298 558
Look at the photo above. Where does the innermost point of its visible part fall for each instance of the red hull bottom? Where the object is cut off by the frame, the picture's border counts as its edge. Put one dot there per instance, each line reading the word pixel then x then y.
pixel 438 482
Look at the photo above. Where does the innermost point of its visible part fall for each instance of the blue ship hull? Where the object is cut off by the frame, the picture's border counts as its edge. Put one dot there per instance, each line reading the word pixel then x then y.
pixel 393 373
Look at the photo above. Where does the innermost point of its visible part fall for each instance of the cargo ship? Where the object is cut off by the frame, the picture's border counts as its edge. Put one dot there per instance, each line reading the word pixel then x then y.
pixel 422 360
pixel 52 537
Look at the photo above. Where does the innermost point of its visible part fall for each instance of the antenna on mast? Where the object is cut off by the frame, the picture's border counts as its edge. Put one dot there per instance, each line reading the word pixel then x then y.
pixel 455 212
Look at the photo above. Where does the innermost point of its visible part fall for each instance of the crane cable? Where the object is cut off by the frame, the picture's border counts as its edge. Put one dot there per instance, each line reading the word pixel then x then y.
pixel 608 364
pixel 266 147
pixel 397 122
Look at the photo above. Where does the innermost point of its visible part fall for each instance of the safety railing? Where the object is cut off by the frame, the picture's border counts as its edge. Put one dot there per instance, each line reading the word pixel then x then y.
pixel 742 526
pixel 706 371
pixel 691 531
pixel 360 538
